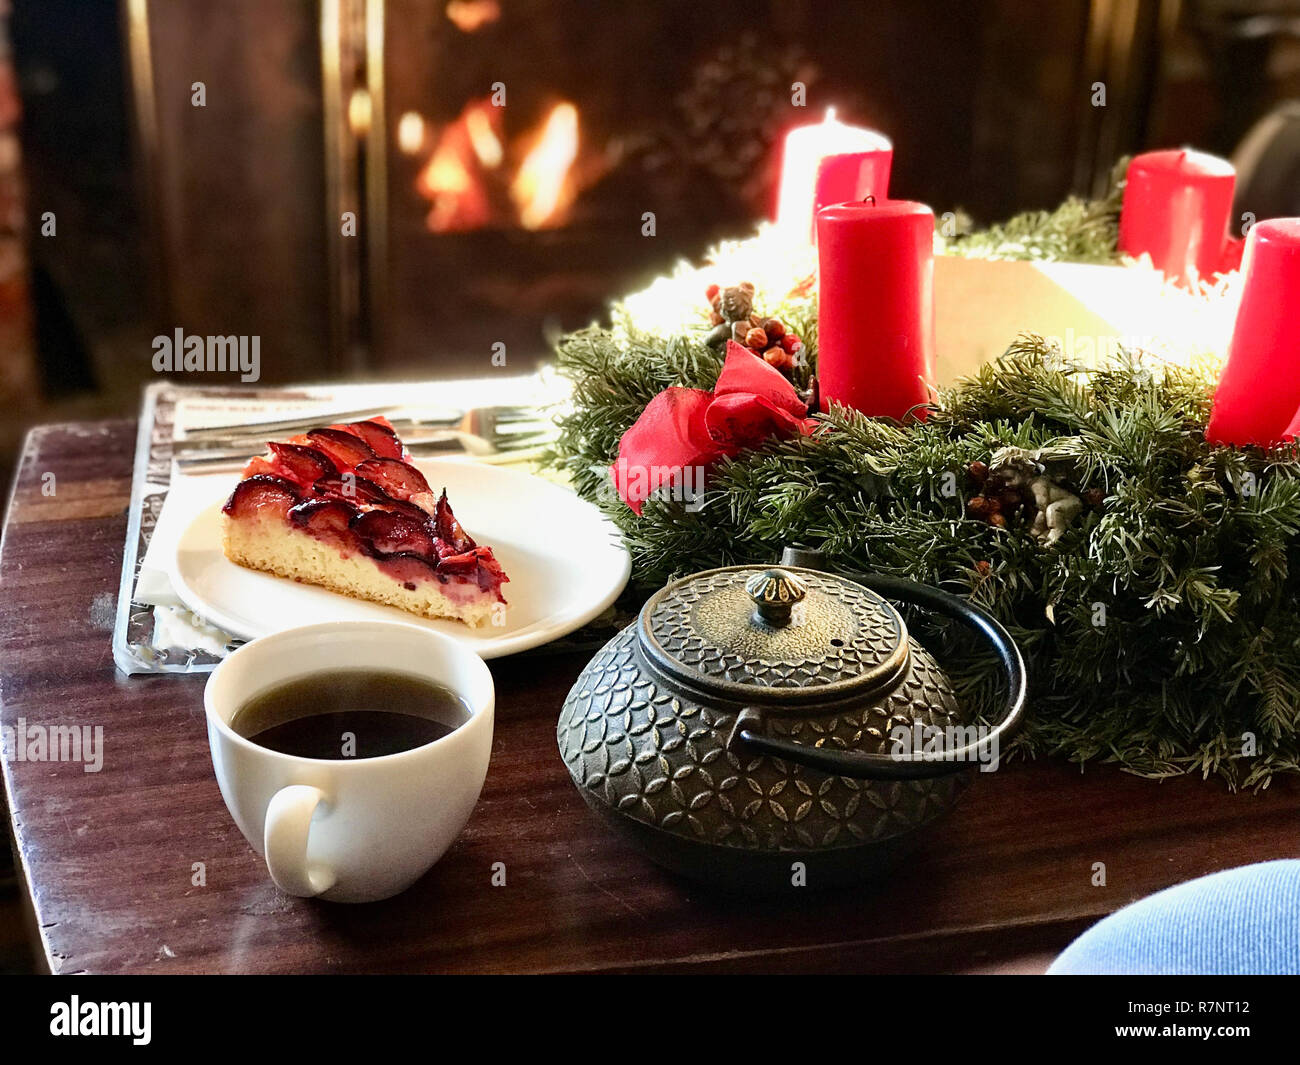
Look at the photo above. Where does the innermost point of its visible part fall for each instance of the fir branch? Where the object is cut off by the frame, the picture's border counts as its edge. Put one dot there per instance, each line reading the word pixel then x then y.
pixel 1078 231
pixel 1188 562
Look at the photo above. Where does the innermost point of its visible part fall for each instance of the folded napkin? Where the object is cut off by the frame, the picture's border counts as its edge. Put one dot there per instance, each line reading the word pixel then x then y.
pixel 175 625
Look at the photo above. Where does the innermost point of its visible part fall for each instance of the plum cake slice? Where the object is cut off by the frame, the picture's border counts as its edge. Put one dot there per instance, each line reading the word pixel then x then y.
pixel 342 507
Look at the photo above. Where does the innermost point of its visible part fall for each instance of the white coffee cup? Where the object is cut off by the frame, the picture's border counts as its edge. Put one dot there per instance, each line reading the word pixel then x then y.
pixel 350 830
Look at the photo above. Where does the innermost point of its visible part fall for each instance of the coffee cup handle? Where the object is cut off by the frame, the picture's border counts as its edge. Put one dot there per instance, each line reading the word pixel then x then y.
pixel 288 824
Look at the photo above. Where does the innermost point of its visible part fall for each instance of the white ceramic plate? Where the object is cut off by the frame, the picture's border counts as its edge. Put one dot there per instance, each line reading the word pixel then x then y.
pixel 565 561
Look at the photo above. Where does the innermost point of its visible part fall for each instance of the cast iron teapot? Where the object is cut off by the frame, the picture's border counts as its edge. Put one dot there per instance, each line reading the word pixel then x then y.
pixel 767 726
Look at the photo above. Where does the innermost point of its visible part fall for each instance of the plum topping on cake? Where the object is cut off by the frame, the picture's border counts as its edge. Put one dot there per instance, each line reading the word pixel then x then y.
pixel 399 479
pixel 341 506
pixel 346 449
pixel 324 517
pixel 387 533
pixel 350 488
pixel 260 495
pixel 411 570
pixel 381 438
pixel 302 463
pixel 449 528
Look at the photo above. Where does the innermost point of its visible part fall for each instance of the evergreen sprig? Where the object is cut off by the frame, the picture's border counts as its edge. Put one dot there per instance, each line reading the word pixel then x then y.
pixel 1078 231
pixel 1161 630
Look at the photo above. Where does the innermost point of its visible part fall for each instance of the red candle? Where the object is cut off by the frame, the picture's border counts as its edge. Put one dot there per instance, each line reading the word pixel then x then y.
pixel 1258 397
pixel 825 163
pixel 1176 209
pixel 875 305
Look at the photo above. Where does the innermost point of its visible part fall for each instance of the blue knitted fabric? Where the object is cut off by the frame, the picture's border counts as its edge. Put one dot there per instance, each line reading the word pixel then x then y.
pixel 1239 921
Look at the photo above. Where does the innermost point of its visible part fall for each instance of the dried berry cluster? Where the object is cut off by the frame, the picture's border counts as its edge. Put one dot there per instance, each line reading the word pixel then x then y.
pixel 997 501
pixel 733 318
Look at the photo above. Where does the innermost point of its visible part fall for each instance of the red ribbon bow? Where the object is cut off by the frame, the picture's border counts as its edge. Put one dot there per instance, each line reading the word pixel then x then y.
pixel 685 430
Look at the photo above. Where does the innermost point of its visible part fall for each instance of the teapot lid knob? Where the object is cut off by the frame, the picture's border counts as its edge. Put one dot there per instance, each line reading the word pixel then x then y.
pixel 776 592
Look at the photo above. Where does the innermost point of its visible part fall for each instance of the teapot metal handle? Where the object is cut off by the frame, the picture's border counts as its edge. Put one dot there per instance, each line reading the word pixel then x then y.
pixel 914 767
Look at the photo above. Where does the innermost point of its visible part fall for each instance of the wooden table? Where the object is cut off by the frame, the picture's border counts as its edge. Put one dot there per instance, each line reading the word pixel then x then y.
pixel 108 857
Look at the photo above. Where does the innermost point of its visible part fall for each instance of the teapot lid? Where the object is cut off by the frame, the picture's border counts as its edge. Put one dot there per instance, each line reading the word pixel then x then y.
pixel 763 634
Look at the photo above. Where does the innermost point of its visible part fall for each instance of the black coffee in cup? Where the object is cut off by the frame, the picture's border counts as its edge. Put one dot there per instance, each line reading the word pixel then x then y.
pixel 350 713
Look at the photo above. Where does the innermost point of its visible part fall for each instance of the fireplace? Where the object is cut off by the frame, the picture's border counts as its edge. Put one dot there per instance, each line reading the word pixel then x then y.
pixel 421 185
pixel 529 160
pixel 542 156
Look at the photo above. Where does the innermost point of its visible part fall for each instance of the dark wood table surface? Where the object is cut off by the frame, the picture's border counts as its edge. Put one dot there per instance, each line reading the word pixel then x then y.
pixel 1002 885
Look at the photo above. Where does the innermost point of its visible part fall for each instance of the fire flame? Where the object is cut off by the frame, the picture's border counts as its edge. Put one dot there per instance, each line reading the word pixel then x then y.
pixel 466 178
pixel 410 132
pixel 452 178
pixel 483 136
pixel 472 15
pixel 541 188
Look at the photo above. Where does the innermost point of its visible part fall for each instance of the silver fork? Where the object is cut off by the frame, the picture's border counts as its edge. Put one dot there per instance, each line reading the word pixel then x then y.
pixel 481 431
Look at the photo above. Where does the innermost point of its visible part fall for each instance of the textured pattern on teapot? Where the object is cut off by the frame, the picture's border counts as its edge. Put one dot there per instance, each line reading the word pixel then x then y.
pixel 660 759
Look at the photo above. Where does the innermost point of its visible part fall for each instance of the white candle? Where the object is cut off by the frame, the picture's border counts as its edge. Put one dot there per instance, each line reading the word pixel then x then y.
pixel 825 163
